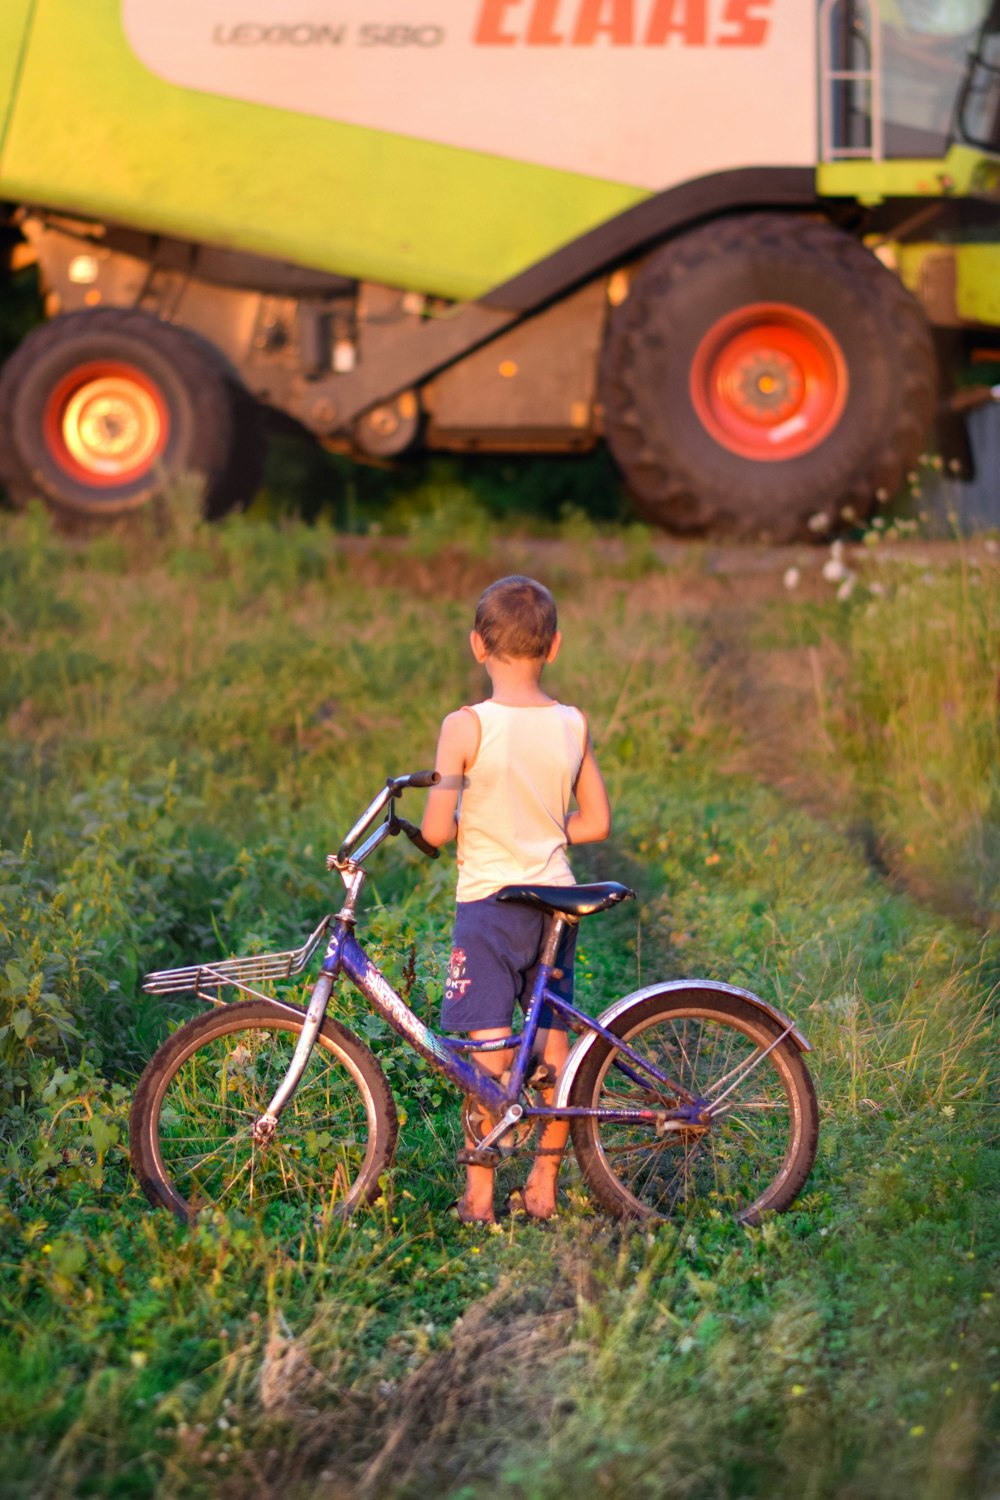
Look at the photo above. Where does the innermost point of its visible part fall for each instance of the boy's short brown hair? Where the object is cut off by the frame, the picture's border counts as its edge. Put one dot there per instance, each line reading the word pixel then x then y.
pixel 516 617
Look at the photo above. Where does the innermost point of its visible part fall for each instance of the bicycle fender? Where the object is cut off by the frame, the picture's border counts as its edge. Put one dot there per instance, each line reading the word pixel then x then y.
pixel 580 1049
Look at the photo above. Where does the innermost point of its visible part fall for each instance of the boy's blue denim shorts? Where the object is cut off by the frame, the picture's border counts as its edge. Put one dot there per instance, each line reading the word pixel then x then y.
pixel 494 961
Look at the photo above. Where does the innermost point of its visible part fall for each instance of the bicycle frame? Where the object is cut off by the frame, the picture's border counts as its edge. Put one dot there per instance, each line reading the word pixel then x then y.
pixel 345 956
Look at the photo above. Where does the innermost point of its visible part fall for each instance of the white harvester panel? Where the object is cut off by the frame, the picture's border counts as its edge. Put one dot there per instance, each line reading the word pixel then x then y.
pixel 644 92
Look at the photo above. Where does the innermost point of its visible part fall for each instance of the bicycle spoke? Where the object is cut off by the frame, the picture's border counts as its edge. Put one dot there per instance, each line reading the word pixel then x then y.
pixel 751 1065
pixel 636 1148
pixel 742 1104
pixel 641 1161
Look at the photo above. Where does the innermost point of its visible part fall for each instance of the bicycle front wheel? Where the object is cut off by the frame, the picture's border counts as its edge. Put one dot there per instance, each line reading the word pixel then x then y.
pixel 756 1139
pixel 191 1126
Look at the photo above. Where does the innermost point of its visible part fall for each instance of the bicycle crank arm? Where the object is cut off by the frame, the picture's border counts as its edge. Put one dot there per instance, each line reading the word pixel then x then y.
pixel 485 1154
pixel 264 1128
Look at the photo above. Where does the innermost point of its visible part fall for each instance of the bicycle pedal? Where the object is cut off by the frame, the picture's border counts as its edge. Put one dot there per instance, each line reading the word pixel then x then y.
pixel 543 1076
pixel 479 1156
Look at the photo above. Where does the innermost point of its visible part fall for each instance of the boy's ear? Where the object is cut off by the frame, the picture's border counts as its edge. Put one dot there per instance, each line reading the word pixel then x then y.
pixel 553 650
pixel 478 645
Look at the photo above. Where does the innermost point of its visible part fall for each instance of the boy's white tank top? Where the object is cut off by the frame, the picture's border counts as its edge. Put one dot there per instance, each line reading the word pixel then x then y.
pixel 516 796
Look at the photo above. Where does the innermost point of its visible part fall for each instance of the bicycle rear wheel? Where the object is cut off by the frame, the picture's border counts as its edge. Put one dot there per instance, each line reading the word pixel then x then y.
pixel 758 1140
pixel 191 1127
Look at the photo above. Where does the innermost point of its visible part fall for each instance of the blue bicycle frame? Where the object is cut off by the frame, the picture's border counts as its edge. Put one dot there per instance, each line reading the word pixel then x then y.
pixel 345 956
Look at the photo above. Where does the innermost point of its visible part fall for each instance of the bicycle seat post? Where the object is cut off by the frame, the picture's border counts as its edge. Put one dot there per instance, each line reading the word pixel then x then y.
pixel 553 937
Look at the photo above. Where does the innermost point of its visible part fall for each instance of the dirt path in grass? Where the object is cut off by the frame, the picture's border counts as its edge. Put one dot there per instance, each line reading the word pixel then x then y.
pixel 784 700
pixel 777 696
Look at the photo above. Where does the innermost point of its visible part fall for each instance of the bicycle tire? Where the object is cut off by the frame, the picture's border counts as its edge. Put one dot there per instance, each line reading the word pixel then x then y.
pixel 757 1151
pixel 191 1122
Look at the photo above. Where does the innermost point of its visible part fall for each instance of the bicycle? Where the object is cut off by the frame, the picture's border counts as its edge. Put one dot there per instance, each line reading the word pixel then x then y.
pixel 679 1092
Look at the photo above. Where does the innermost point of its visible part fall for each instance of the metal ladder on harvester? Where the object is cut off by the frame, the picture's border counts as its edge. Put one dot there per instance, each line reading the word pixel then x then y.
pixel 850 81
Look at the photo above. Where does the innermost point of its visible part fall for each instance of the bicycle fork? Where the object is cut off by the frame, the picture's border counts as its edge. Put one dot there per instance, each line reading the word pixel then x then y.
pixel 264 1128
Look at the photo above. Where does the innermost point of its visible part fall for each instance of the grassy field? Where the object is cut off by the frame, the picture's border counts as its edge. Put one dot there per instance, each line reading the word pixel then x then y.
pixel 807 798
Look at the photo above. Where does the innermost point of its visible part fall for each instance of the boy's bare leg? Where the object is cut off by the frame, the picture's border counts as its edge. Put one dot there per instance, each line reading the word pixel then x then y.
pixel 540 1188
pixel 476 1205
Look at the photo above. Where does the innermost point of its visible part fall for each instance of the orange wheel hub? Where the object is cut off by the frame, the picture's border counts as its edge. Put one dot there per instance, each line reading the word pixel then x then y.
pixel 106 423
pixel 769 381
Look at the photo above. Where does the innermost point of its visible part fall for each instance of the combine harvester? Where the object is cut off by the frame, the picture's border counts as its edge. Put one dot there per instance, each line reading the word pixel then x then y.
pixel 744 242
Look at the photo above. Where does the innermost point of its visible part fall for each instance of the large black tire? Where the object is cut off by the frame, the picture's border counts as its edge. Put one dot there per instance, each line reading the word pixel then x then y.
pixel 764 373
pixel 197 1100
pixel 756 1152
pixel 101 411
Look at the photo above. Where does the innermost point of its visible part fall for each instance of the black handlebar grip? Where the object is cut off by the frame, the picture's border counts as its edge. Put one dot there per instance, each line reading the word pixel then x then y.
pixel 416 837
pixel 397 784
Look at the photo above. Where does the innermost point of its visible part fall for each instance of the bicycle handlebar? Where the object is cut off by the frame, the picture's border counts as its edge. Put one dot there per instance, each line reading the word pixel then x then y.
pixel 394 787
pixel 397 784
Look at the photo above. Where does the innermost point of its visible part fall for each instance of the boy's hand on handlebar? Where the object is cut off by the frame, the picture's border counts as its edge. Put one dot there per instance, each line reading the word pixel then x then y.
pixel 401 825
pixel 398 784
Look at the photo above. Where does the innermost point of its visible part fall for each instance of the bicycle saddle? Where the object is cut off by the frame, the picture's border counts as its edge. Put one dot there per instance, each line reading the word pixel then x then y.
pixel 568 900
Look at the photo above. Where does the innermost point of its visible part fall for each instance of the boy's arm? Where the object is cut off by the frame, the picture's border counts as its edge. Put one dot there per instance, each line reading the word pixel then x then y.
pixel 457 746
pixel 592 820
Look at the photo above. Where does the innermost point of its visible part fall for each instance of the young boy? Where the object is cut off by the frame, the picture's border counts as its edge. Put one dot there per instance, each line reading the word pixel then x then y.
pixel 509 768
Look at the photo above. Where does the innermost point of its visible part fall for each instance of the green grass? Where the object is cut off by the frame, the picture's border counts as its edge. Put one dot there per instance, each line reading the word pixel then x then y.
pixel 192 720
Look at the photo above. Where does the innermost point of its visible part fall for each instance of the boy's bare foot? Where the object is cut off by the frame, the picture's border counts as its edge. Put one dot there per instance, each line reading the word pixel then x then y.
pixel 516 1204
pixel 472 1211
pixel 539 1192
pixel 476 1204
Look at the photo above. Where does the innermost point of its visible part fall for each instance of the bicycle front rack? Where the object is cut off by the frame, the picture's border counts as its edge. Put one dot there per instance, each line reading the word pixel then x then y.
pixel 240 972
